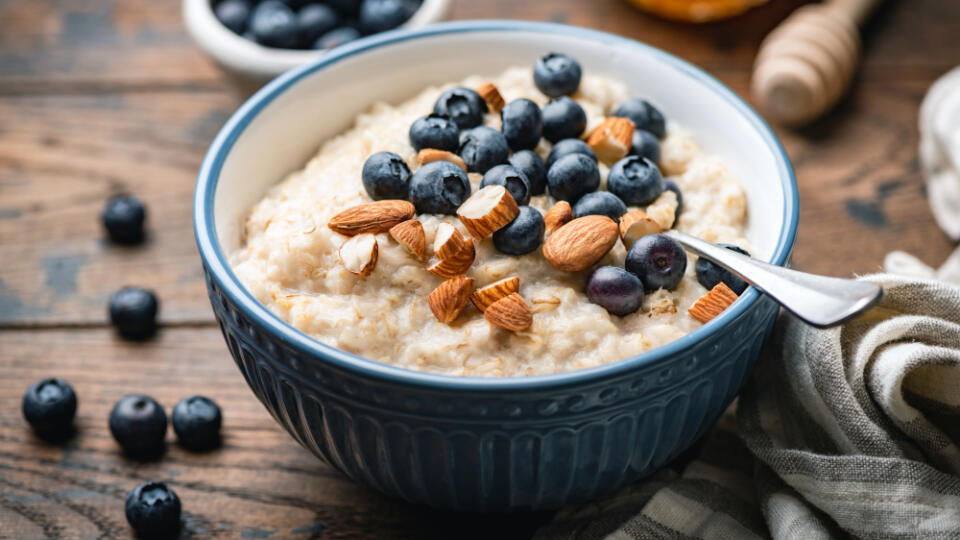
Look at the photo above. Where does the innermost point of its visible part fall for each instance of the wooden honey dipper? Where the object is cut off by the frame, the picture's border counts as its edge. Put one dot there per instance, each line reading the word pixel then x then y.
pixel 807 62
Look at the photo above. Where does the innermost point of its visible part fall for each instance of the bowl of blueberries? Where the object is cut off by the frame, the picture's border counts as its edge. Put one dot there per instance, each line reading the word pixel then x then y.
pixel 260 39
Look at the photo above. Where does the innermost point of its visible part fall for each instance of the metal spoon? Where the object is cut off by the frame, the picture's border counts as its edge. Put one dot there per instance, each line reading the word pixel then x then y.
pixel 820 301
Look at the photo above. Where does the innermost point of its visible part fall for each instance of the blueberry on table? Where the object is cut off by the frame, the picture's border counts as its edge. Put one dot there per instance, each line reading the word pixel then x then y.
pixel 601 203
pixel 563 118
pixel 710 274
pixel 669 184
pixel 153 510
pixel 482 147
pixel 556 74
pixel 569 146
pixel 511 178
pixel 313 21
pixel 233 14
pixel 615 290
pixel 643 115
pixel 658 260
pixel 435 131
pixel 462 105
pixel 49 406
pixel 139 425
pixel 382 15
pixel 636 180
pixel 133 311
pixel 572 177
pixel 274 24
pixel 386 176
pixel 522 124
pixel 123 218
pixel 531 164
pixel 196 421
pixel 337 37
pixel 646 145
pixel 439 188
pixel 522 235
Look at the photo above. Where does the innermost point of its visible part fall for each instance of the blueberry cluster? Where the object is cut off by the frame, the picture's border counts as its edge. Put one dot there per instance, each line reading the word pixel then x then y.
pixel 311 24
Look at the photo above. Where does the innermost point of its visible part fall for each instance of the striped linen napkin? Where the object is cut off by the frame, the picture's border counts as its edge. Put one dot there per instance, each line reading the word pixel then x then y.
pixel 847 432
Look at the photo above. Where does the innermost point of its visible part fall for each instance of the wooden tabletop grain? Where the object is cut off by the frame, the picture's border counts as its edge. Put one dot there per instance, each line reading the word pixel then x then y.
pixel 101 96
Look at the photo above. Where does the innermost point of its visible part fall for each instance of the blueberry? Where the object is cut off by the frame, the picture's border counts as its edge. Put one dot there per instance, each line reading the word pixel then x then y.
pixel 386 176
pixel 439 188
pixel 134 312
pixel 563 118
pixel 49 406
pixel 313 21
pixel 636 180
pixel 346 7
pixel 645 144
pixel 569 146
pixel 511 178
pixel 337 37
pixel 233 14
pixel 531 164
pixel 709 274
pixel 435 131
pixel 522 235
pixel 572 177
pixel 153 510
pixel 601 203
pixel 123 218
pixel 669 184
pixel 481 148
pixel 522 124
pixel 615 290
pixel 382 15
pixel 139 425
pixel 658 260
pixel 462 105
pixel 274 24
pixel 644 116
pixel 196 420
pixel 556 74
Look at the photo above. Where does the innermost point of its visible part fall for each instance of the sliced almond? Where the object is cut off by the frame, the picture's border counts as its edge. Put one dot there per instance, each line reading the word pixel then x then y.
pixel 713 303
pixel 664 209
pixel 635 224
pixel 580 243
pixel 410 235
pixel 448 241
pixel 559 215
pixel 510 312
pixel 488 294
pixel 611 140
pixel 449 298
pixel 489 92
pixel 455 265
pixel 375 217
pixel 429 155
pixel 359 254
pixel 488 210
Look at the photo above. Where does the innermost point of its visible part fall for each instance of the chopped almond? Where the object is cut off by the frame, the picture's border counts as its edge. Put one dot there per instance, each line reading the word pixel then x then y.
pixel 455 265
pixel 635 224
pixel 488 210
pixel 410 235
pixel 489 92
pixel 713 303
pixel 611 140
pixel 448 241
pixel 510 312
pixel 488 294
pixel 559 215
pixel 359 254
pixel 429 155
pixel 449 298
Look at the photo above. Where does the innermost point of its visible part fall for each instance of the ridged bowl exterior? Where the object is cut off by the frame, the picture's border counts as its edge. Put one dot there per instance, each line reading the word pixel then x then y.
pixel 496 451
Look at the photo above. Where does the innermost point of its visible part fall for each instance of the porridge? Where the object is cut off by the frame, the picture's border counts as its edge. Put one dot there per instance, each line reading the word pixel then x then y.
pixel 399 292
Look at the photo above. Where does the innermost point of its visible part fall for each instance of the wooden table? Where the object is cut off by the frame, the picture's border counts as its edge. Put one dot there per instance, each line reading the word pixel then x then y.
pixel 98 96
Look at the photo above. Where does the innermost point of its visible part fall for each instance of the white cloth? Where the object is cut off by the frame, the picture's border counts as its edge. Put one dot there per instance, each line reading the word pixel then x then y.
pixel 940 150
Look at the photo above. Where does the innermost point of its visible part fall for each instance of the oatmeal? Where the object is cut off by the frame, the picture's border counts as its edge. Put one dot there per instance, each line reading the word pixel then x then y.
pixel 291 259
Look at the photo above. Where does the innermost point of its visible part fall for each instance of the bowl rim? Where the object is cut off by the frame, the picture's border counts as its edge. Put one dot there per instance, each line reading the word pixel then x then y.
pixel 215 260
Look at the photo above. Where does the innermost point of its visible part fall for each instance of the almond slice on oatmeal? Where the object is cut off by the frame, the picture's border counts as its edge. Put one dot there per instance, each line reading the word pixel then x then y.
pixel 713 303
pixel 635 224
pixel 557 216
pixel 429 155
pixel 491 94
pixel 580 243
pixel 664 209
pixel 410 235
pixel 510 313
pixel 449 298
pixel 455 265
pixel 448 241
pixel 375 217
pixel 611 140
pixel 488 294
pixel 487 211
pixel 359 254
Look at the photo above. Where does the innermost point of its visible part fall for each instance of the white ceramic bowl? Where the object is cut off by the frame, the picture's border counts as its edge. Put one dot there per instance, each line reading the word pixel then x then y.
pixel 256 62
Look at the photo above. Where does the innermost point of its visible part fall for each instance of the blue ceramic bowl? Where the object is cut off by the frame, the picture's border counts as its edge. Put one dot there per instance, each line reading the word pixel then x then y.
pixel 470 443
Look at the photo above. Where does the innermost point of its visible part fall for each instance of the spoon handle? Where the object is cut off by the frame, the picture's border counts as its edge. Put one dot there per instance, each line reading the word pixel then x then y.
pixel 820 301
